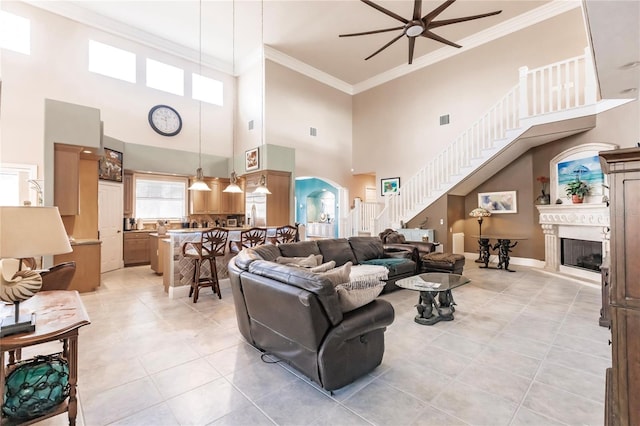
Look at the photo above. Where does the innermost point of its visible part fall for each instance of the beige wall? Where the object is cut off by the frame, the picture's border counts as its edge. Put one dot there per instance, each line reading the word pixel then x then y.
pixel 396 125
pixel 57 69
pixel 294 103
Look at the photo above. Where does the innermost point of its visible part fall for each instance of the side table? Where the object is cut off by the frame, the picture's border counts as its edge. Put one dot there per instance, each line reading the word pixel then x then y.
pixel 59 316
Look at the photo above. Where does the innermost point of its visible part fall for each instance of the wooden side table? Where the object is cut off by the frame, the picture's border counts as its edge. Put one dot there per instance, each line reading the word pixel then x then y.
pixel 59 316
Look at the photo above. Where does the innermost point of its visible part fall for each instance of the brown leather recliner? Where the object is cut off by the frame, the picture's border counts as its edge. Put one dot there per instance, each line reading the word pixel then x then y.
pixel 295 315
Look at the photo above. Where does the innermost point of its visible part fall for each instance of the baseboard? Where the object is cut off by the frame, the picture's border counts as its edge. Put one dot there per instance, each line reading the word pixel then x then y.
pixel 523 261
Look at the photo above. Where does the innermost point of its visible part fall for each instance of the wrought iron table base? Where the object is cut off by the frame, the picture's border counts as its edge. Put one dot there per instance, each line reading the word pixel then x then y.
pixel 427 303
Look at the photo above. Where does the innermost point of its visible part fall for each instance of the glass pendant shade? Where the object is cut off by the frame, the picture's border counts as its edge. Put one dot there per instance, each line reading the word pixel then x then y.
pixel 199 184
pixel 233 187
pixel 262 186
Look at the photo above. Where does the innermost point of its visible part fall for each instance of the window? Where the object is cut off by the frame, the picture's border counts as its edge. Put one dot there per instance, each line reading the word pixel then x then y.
pixel 160 197
pixel 18 184
pixel 206 89
pixel 15 33
pixel 112 62
pixel 165 77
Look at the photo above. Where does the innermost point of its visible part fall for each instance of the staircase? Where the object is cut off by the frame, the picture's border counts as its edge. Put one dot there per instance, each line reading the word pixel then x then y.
pixel 548 103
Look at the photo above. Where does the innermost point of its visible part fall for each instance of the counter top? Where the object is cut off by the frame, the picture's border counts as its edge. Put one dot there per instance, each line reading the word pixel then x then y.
pixel 84 241
pixel 139 230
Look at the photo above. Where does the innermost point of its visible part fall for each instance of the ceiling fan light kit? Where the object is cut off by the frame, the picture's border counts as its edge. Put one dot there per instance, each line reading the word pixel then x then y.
pixel 417 26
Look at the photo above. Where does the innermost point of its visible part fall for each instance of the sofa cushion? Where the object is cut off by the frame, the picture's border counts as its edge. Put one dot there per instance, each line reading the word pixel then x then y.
pixel 365 248
pixel 299 249
pixel 267 251
pixel 339 275
pixel 244 258
pixel 324 267
pixel 337 249
pixel 310 261
pixel 352 296
pixel 396 266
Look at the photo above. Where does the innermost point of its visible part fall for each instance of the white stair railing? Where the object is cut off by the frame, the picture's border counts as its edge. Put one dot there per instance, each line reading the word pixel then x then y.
pixel 361 219
pixel 552 88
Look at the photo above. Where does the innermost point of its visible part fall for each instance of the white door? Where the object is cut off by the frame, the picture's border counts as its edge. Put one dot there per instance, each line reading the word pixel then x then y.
pixel 110 225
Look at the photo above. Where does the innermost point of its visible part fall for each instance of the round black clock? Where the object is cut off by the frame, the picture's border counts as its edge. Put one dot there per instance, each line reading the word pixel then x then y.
pixel 165 120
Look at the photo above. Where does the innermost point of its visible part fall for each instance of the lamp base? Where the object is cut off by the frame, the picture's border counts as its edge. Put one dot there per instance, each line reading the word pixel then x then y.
pixel 25 324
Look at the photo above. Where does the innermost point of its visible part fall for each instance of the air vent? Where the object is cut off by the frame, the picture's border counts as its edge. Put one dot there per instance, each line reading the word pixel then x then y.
pixel 313 131
pixel 444 119
pixel 251 125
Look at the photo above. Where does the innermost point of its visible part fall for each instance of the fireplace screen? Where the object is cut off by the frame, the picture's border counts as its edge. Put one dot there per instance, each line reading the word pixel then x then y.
pixel 581 254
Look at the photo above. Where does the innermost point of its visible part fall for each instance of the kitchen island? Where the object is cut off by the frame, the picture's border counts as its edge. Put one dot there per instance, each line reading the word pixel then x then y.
pixel 178 270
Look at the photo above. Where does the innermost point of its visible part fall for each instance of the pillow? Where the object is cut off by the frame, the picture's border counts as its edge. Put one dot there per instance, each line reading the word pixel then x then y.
pixel 353 298
pixel 324 267
pixel 339 275
pixel 310 261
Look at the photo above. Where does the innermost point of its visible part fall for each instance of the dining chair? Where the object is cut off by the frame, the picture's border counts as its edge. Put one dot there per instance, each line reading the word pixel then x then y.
pixel 212 244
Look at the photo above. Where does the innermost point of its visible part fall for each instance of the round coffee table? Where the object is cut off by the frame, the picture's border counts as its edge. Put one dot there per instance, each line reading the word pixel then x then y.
pixel 430 285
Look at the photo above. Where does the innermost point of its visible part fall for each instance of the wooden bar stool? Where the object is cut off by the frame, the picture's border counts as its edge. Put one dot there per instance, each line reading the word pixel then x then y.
pixel 212 244
pixel 249 238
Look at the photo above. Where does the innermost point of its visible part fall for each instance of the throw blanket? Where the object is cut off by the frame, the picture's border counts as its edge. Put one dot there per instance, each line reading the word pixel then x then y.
pixel 363 276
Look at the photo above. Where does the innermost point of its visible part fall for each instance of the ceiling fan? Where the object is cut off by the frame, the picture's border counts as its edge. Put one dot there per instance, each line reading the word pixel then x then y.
pixel 417 26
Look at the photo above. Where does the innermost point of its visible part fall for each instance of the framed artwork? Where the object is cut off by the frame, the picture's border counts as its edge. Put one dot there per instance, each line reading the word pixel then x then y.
pixel 389 185
pixel 110 167
pixel 498 202
pixel 251 159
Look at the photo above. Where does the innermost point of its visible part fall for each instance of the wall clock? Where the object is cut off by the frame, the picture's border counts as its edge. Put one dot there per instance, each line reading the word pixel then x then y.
pixel 165 120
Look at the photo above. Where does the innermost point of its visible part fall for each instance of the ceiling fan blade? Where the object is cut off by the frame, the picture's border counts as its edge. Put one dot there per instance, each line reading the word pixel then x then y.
pixel 371 32
pixel 385 11
pixel 432 36
pixel 384 47
pixel 412 43
pixel 435 24
pixel 417 10
pixel 437 11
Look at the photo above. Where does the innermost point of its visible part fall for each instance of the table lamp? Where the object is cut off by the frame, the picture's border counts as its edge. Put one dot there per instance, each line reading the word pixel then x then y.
pixel 26 232
pixel 480 213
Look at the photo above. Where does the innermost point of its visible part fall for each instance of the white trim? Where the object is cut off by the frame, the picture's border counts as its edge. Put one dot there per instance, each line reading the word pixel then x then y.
pixel 179 292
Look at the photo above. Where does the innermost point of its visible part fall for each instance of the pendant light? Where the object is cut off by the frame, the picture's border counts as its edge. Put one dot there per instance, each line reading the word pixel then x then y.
pixel 199 184
pixel 262 184
pixel 233 187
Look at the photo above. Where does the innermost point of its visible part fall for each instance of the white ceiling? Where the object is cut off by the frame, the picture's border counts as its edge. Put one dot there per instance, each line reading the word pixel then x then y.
pixel 304 33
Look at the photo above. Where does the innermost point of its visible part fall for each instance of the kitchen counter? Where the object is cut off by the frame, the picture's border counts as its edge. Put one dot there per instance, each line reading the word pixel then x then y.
pixel 84 241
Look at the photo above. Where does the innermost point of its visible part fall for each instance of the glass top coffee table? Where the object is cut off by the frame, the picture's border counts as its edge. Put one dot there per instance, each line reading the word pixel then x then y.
pixel 430 285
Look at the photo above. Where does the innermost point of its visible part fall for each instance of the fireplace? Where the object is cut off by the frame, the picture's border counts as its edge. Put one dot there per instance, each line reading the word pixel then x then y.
pixel 581 254
pixel 576 238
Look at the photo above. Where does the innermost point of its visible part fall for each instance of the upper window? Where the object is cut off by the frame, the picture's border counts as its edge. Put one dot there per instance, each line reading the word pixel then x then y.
pixel 15 33
pixel 206 89
pixel 112 62
pixel 18 184
pixel 160 197
pixel 165 77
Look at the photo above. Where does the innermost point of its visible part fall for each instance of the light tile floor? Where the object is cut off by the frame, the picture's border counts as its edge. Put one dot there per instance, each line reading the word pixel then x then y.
pixel 525 348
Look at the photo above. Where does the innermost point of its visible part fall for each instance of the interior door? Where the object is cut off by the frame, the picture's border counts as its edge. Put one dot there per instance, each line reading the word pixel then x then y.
pixel 110 225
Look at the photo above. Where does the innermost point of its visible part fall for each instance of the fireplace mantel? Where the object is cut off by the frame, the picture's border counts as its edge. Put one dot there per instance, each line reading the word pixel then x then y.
pixel 588 221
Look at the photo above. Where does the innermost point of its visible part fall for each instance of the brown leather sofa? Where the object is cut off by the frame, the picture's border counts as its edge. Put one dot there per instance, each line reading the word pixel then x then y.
pixel 295 314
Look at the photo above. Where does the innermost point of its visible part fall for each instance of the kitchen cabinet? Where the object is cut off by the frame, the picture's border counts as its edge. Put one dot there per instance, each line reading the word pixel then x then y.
pixel 86 254
pixel 623 387
pixel 215 201
pixel 156 252
pixel 273 209
pixel 136 248
pixel 66 179
pixel 127 202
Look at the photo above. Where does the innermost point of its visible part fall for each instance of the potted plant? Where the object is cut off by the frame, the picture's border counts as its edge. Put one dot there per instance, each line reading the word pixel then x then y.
pixel 576 190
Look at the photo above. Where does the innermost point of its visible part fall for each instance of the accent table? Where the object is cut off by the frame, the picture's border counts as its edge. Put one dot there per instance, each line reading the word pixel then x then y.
pixel 430 285
pixel 59 316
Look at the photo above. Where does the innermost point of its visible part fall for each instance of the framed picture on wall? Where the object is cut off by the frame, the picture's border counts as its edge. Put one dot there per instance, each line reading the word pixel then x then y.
pixel 110 166
pixel 251 159
pixel 498 202
pixel 389 185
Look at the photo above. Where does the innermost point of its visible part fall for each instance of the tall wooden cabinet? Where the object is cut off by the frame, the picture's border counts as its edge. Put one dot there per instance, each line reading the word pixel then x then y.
pixel 622 404
pixel 277 205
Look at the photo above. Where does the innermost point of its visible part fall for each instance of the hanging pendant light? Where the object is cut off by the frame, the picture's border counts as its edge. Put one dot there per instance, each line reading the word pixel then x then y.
pixel 233 187
pixel 199 184
pixel 262 184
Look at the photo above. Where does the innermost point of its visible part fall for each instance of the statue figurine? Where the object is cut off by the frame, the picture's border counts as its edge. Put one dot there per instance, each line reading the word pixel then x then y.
pixel 503 255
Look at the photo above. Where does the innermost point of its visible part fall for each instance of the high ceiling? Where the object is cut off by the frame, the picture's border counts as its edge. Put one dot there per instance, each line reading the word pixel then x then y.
pixel 304 33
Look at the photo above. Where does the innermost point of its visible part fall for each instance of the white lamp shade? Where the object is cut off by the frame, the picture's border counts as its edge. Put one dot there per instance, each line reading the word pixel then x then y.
pixel 32 231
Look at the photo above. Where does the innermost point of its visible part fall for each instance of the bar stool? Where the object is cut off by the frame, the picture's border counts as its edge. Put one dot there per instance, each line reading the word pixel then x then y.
pixel 285 234
pixel 249 238
pixel 213 243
